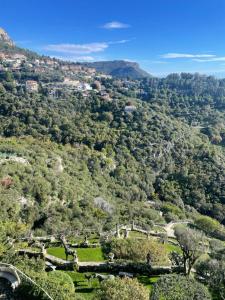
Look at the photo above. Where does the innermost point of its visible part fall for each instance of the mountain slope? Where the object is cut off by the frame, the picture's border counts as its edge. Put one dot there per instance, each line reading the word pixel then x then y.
pixel 120 69
pixel 139 156
pixel 130 143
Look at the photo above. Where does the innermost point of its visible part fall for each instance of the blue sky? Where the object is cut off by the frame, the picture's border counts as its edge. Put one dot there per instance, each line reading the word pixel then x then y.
pixel 164 36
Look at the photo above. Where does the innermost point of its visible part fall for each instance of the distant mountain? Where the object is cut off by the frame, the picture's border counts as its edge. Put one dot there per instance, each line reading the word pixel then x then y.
pixel 120 69
pixel 4 38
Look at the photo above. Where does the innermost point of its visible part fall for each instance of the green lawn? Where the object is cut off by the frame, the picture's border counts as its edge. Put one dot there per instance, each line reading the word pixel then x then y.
pixel 58 252
pixel 171 248
pixel 90 254
pixel 84 254
pixel 84 288
pixel 148 281
pixel 87 289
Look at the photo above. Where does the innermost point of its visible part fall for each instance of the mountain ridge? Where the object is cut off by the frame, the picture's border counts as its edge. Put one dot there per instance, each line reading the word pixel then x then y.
pixel 120 69
pixel 5 38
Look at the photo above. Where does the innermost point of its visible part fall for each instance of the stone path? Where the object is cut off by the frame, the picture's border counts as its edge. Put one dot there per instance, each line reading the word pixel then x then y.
pixel 169 228
pixel 91 263
pixel 58 261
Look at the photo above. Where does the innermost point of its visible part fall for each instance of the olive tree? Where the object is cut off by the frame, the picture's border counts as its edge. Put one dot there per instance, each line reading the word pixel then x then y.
pixel 212 273
pixel 192 244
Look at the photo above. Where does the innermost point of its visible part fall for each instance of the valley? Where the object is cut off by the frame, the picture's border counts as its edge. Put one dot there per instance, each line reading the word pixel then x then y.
pixel 110 180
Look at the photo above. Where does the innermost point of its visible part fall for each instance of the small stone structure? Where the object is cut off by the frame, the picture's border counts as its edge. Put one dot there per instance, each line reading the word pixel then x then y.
pixel 9 273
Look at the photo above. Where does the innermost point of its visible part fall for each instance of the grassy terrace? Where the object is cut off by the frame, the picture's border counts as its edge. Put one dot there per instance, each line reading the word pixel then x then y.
pixel 171 248
pixel 84 288
pixel 84 254
pixel 88 289
pixel 148 281
pixel 96 254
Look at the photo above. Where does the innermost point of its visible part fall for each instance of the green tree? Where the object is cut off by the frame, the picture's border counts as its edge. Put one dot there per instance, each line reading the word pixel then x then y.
pixel 212 273
pixel 192 244
pixel 208 225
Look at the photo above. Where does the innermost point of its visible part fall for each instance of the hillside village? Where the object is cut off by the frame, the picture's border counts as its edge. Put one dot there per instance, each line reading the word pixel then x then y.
pixel 31 73
pixel 73 76
pixel 55 77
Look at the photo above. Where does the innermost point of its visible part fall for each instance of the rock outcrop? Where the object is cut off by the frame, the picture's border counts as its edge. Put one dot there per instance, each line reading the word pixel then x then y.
pixel 4 38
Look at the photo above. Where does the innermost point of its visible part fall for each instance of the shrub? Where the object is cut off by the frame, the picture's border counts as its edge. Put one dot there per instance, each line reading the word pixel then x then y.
pixel 177 287
pixel 209 225
pixel 137 250
pixel 57 284
pixel 124 289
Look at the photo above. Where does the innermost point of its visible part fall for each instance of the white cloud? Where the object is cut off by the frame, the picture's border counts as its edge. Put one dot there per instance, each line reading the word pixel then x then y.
pixel 119 42
pixel 78 48
pixel 82 50
pixel 186 55
pixel 213 59
pixel 76 58
pixel 115 25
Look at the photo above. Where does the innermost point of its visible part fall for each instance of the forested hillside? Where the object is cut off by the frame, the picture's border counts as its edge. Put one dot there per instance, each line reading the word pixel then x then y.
pixel 149 153
pixel 112 187
pixel 196 99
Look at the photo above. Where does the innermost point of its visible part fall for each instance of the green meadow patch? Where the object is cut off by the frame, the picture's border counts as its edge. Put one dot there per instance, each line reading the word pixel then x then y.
pixel 84 254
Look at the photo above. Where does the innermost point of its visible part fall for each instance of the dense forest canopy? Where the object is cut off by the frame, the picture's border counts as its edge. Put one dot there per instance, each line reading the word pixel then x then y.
pixel 170 148
pixel 155 139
